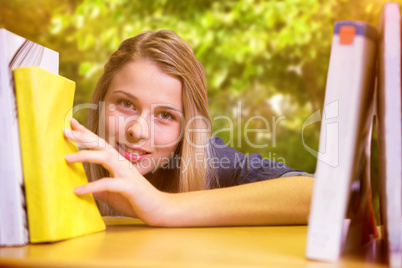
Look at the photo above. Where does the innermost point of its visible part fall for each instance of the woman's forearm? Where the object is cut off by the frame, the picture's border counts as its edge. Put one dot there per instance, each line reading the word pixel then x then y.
pixel 272 202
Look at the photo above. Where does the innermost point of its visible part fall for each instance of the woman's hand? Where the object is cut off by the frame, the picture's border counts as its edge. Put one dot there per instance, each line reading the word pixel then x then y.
pixel 127 190
pixel 279 201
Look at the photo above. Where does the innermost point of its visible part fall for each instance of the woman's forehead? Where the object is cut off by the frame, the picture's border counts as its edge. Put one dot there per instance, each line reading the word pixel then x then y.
pixel 147 83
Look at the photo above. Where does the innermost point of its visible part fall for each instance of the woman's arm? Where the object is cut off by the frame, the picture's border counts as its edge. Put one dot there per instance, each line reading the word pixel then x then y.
pixel 271 202
pixel 284 201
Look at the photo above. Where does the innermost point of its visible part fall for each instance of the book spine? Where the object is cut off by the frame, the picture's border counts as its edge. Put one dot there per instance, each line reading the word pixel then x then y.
pixel 13 221
pixel 347 101
pixel 44 104
pixel 390 132
pixel 31 138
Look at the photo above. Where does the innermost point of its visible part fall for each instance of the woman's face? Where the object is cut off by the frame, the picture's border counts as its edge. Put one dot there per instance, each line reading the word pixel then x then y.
pixel 143 113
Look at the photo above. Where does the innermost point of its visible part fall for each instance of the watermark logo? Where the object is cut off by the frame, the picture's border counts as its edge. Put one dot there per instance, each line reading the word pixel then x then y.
pixel 196 124
pixel 114 128
pixel 329 136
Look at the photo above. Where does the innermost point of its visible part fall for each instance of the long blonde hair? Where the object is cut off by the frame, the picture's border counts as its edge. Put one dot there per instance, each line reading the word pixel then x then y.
pixel 174 57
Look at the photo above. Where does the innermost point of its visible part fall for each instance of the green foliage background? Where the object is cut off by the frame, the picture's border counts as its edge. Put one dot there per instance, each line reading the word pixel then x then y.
pixel 272 56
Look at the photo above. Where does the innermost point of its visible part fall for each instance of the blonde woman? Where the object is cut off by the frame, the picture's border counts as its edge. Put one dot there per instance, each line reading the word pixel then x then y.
pixel 153 156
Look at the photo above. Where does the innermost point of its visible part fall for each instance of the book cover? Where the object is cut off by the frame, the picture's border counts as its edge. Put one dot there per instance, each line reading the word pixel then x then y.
pixel 341 215
pixel 390 132
pixel 44 102
pixel 15 51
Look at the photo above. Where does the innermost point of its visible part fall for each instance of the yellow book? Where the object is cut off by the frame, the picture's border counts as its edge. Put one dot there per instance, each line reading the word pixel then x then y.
pixel 44 102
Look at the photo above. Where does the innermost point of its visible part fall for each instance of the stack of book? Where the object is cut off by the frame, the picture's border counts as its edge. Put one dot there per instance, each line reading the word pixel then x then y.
pixel 37 202
pixel 363 83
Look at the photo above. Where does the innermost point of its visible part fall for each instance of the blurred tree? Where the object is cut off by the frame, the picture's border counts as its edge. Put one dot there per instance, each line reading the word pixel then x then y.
pixel 270 55
pixel 248 49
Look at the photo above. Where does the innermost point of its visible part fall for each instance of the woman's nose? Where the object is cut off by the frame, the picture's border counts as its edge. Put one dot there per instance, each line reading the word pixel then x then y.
pixel 137 130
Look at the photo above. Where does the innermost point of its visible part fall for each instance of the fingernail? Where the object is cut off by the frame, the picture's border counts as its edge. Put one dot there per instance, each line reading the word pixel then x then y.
pixel 66 131
pixel 78 190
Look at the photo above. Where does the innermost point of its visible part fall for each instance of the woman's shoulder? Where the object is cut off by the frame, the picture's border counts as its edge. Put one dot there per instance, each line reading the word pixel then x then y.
pixel 235 168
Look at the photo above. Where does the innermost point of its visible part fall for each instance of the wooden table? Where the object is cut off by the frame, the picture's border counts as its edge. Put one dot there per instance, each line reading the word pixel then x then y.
pixel 128 242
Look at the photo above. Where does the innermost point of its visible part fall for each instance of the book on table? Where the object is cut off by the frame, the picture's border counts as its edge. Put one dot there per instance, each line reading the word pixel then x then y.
pixel 44 102
pixel 15 51
pixel 390 132
pixel 341 215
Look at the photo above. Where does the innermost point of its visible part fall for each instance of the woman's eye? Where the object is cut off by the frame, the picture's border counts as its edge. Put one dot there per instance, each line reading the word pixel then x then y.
pixel 165 116
pixel 126 104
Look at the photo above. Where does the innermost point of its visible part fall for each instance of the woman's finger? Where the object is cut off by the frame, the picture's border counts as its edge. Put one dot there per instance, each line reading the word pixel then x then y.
pixel 84 136
pixel 76 125
pixel 110 185
pixel 86 139
pixel 111 191
pixel 102 185
pixel 116 164
pixel 101 152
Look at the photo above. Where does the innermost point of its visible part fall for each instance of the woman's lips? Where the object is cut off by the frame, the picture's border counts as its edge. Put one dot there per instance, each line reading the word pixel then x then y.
pixel 132 154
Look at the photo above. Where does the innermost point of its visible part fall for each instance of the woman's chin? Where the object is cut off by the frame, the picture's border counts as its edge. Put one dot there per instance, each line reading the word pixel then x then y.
pixel 141 169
